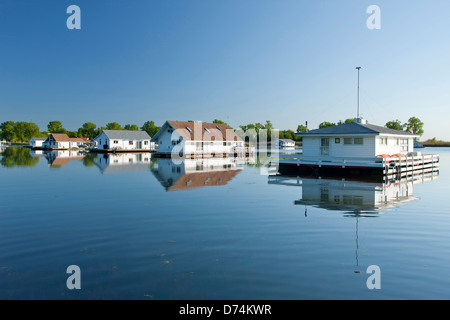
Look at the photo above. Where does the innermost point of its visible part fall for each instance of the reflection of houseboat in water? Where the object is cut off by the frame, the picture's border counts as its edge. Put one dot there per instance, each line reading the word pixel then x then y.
pixel 354 196
pixel 59 158
pixel 122 162
pixel 195 173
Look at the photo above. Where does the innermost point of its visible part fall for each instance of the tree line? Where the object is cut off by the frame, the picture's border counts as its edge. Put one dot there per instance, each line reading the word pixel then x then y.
pixel 24 131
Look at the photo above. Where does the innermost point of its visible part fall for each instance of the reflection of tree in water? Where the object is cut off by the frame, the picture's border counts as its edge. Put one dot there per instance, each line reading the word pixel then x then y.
pixel 17 157
pixel 89 160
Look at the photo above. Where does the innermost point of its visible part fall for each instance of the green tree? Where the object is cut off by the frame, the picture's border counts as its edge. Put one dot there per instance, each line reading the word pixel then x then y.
pixel 55 127
pixel 150 128
pixel 113 126
pixel 24 131
pixel 414 125
pixel 131 127
pixel 326 124
pixel 221 122
pixel 394 124
pixel 302 128
pixel 88 130
pixel 8 132
pixel 346 121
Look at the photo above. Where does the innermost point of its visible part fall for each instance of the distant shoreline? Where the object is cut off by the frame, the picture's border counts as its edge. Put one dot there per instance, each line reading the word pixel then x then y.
pixel 436 144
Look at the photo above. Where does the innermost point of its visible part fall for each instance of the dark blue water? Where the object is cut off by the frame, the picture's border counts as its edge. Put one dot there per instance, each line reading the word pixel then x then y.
pixel 142 228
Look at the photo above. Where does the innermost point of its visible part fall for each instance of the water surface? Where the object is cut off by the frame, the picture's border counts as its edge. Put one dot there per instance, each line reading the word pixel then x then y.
pixel 145 228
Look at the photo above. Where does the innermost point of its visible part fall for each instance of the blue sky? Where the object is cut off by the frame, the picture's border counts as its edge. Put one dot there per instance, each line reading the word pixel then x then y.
pixel 246 61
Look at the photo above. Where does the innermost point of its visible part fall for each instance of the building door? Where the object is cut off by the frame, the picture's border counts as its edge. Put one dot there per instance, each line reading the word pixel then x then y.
pixel 138 144
pixel 325 146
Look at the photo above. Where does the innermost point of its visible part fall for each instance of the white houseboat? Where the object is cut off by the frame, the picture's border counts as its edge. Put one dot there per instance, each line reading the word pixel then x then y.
pixel 61 141
pixel 192 139
pixel 285 143
pixel 122 141
pixel 37 142
pixel 357 148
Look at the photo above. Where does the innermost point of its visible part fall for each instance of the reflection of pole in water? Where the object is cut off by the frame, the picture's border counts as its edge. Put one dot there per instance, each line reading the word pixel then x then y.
pixel 357 246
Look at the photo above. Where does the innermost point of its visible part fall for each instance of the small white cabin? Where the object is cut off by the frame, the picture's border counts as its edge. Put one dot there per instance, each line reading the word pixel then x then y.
pixel 356 139
pixel 285 143
pixel 37 142
pixel 122 140
pixel 190 138
pixel 62 141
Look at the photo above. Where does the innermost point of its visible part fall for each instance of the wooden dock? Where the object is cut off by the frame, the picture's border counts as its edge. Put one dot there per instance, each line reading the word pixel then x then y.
pixel 375 168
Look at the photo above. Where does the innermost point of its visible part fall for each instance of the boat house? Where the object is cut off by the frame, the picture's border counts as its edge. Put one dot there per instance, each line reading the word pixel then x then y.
pixel 61 141
pixel 357 148
pixel 285 143
pixel 122 141
pixel 37 142
pixel 197 139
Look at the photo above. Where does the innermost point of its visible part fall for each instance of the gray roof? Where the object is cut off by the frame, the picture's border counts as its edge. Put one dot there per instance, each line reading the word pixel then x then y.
pixel 354 128
pixel 127 135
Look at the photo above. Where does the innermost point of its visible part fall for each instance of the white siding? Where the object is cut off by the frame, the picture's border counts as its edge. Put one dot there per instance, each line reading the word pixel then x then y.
pixel 391 145
pixel 102 139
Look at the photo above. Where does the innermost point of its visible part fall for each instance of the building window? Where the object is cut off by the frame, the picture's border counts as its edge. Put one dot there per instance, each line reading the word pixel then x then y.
pixel 383 141
pixel 146 143
pixel 116 141
pixel 357 141
pixel 130 143
pixel 337 140
pixel 325 146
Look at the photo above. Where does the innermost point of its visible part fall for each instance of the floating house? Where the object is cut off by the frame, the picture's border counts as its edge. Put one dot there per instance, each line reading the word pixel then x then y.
pixel 183 138
pixel 357 148
pixel 285 143
pixel 61 141
pixel 122 141
pixel 37 142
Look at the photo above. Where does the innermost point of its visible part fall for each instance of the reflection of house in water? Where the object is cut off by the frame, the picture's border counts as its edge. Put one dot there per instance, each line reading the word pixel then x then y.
pixel 195 173
pixel 122 162
pixel 354 196
pixel 59 158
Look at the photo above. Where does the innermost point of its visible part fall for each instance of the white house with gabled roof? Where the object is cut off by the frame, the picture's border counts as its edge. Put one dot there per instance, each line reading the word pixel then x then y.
pixel 356 139
pixel 190 138
pixel 122 140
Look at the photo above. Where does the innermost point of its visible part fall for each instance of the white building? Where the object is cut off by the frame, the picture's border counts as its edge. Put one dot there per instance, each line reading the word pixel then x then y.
pixel 285 143
pixel 190 138
pixel 122 140
pixel 356 139
pixel 37 142
pixel 62 141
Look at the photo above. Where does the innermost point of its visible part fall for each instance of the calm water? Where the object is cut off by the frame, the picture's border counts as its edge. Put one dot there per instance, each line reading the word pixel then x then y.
pixel 142 228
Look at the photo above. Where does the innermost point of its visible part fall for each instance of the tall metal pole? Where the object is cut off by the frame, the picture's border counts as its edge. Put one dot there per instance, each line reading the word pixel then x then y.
pixel 357 113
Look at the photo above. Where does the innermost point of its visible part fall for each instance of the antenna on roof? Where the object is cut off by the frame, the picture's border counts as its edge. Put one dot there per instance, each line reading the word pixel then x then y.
pixel 357 110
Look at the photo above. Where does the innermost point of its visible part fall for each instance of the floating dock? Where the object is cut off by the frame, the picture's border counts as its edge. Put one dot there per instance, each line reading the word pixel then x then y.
pixel 373 168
